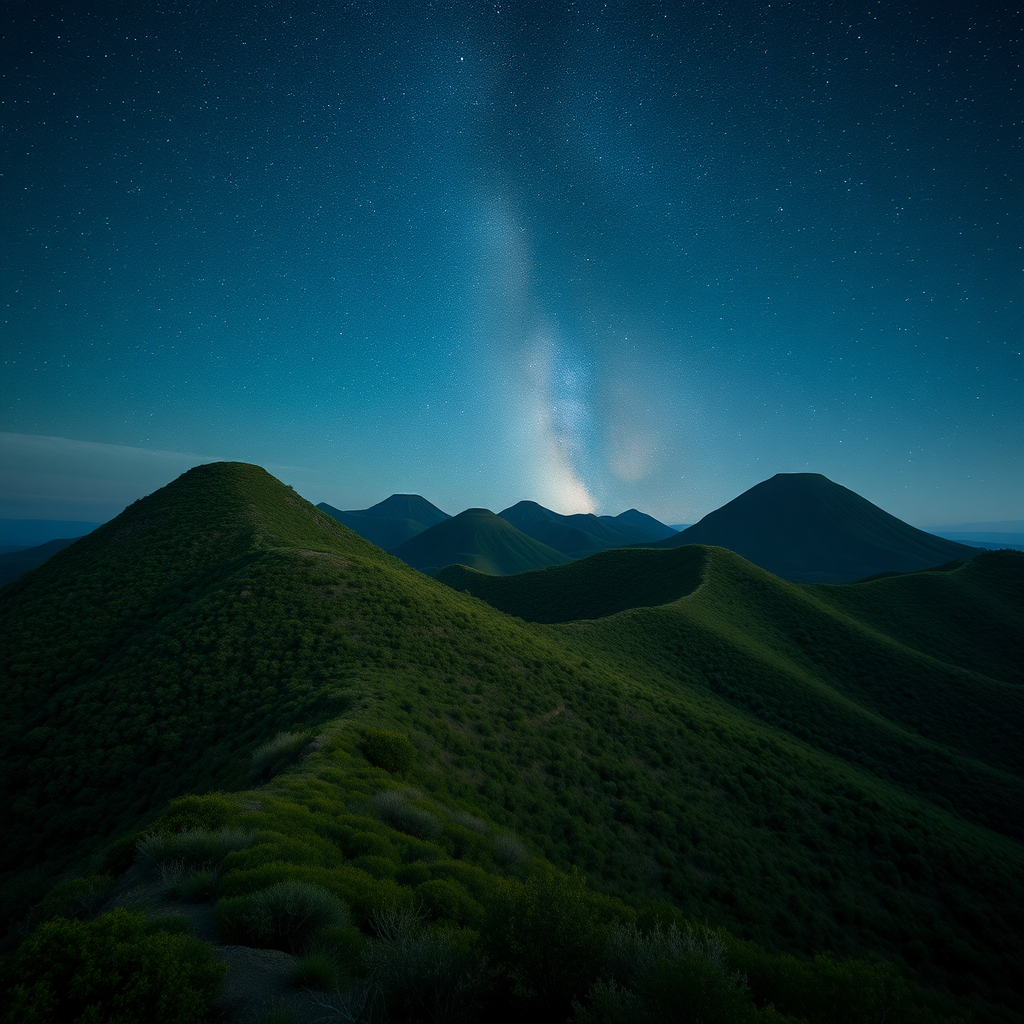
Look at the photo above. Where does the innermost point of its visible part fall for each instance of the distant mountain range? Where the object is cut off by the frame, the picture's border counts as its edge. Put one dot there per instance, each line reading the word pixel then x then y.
pixel 29 533
pixel 16 563
pixel 390 522
pixel 802 527
pixel 807 529
pixel 480 539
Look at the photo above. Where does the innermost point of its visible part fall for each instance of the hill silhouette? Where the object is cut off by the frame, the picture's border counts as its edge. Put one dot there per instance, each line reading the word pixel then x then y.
pixel 807 529
pixel 576 536
pixel 14 564
pixel 480 539
pixel 646 527
pixel 809 768
pixel 390 522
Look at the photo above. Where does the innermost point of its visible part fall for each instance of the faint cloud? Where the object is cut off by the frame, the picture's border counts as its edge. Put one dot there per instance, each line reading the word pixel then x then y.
pixel 60 478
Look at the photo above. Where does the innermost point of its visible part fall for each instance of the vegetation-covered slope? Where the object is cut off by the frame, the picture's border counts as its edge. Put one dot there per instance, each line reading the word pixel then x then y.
pixel 731 755
pixel 480 539
pixel 807 529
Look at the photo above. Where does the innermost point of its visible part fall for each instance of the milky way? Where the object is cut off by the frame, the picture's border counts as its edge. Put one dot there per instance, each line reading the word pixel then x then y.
pixel 600 255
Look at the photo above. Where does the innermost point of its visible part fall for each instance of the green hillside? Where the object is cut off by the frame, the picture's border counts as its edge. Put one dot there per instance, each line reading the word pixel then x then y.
pixel 590 588
pixel 743 752
pixel 480 539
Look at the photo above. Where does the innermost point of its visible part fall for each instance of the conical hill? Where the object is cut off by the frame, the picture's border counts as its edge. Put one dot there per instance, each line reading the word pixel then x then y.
pixel 807 529
pixel 480 539
pixel 390 522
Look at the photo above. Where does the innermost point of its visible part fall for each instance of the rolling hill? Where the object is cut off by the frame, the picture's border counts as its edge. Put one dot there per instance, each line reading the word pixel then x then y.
pixel 390 522
pixel 480 539
pixel 807 529
pixel 809 768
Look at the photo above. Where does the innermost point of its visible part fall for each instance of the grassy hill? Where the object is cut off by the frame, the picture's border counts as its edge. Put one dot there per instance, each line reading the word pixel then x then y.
pixel 807 529
pixel 808 774
pixel 480 539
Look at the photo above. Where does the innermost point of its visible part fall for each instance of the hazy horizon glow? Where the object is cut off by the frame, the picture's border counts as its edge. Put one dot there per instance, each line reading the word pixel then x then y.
pixel 601 256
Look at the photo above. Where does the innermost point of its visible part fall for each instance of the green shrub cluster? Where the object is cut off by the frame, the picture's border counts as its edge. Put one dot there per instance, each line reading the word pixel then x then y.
pixel 112 969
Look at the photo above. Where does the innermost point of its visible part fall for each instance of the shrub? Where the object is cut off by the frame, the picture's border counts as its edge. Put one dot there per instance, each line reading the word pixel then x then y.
pixel 195 849
pixel 399 814
pixel 546 935
pixel 283 916
pixel 112 969
pixel 275 755
pixel 508 850
pixel 667 976
pixel 420 974
pixel 447 900
pixel 209 812
pixel 388 750
pixel 316 970
pixel 80 898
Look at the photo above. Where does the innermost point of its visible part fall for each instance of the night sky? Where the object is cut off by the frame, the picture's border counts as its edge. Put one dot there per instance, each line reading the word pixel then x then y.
pixel 599 255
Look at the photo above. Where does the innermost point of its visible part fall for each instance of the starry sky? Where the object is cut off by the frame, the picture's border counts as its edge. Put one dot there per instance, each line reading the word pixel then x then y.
pixel 598 255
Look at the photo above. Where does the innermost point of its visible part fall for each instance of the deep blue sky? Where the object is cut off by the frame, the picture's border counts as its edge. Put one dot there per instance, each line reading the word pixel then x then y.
pixel 599 255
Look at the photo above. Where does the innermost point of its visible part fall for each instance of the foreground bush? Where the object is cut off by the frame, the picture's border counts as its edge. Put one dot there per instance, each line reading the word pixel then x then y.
pixel 546 935
pixel 283 916
pixel 423 974
pixel 668 977
pixel 112 970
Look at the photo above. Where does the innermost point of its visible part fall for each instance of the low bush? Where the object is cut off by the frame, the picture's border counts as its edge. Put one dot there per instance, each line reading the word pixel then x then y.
pixel 275 755
pixel 399 814
pixel 113 969
pixel 547 936
pixel 316 970
pixel 388 750
pixel 195 849
pixel 80 898
pixel 281 917
pixel 423 974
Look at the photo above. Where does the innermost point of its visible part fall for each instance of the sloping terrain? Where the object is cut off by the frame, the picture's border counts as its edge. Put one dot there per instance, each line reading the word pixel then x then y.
pixel 390 522
pixel 16 563
pixel 576 536
pixel 646 527
pixel 590 588
pixel 807 529
pixel 480 539
pixel 742 751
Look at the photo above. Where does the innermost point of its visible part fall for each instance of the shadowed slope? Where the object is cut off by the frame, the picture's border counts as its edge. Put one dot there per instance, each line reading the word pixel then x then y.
pixel 575 535
pixel 646 527
pixel 480 539
pixel 590 588
pixel 16 563
pixel 807 529
pixel 390 522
